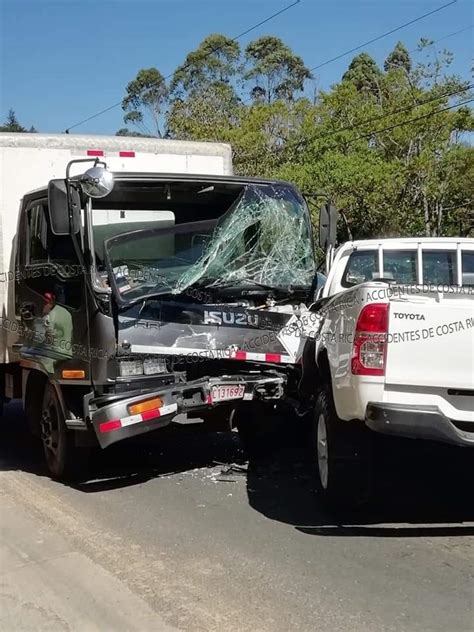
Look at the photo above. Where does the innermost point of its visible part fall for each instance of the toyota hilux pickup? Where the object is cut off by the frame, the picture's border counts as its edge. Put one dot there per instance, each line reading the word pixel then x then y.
pixel 390 349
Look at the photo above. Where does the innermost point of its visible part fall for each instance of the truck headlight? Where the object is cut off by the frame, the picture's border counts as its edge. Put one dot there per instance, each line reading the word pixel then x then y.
pixel 148 366
pixel 154 365
pixel 128 368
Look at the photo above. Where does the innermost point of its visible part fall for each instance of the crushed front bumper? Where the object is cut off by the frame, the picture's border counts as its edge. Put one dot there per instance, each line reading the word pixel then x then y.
pixel 112 421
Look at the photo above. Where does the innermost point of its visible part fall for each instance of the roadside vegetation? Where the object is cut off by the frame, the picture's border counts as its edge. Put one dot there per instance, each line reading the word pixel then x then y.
pixel 392 145
pixel 382 141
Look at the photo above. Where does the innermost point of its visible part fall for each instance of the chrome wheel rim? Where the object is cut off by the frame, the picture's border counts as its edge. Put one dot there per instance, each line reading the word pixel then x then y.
pixel 323 452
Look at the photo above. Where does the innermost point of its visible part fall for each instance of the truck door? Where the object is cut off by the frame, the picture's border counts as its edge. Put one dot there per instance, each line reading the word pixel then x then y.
pixel 50 295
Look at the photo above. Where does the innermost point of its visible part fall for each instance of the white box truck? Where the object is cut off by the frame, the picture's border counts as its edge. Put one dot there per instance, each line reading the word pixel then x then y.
pixel 141 279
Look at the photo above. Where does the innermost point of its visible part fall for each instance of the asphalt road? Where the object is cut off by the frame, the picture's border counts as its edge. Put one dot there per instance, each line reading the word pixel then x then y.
pixel 179 532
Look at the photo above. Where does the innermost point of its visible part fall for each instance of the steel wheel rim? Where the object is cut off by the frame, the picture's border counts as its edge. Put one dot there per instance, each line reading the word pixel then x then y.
pixel 50 430
pixel 322 446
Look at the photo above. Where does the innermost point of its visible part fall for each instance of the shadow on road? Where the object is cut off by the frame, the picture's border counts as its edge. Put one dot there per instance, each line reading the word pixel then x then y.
pixel 423 489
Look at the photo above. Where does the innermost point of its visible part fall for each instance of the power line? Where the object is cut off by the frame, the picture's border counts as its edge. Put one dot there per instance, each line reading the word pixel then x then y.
pixel 440 39
pixel 388 114
pixel 396 125
pixel 379 37
pixel 392 127
pixel 215 50
pixel 413 50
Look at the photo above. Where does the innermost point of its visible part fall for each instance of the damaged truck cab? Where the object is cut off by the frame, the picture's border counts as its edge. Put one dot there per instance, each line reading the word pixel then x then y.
pixel 150 295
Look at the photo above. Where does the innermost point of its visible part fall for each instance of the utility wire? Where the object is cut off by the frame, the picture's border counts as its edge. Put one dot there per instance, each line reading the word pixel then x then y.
pixel 379 37
pixel 215 50
pixel 413 50
pixel 390 127
pixel 396 125
pixel 440 39
pixel 375 119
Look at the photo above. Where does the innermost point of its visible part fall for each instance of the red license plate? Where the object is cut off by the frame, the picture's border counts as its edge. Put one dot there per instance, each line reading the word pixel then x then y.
pixel 225 392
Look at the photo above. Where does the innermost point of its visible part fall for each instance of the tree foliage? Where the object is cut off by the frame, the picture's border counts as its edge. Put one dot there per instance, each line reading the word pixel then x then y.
pixel 385 143
pixel 214 63
pixel 12 124
pixel 274 71
pixel 145 101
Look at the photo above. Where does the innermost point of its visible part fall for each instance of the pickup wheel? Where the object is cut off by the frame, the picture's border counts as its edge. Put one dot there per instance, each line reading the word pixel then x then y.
pixel 343 454
pixel 64 460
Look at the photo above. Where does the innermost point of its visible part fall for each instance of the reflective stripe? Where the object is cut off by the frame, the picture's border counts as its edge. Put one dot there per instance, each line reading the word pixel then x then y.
pixel 116 424
pixel 215 354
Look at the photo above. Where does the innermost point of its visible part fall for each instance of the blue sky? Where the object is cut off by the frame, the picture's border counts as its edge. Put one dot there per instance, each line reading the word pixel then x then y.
pixel 63 60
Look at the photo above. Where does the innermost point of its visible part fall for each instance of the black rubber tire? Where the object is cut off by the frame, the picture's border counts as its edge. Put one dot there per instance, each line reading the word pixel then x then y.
pixel 63 459
pixel 349 458
pixel 256 425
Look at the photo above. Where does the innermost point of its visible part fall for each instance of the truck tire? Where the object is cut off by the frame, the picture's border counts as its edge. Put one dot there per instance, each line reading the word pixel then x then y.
pixel 64 460
pixel 343 455
pixel 253 421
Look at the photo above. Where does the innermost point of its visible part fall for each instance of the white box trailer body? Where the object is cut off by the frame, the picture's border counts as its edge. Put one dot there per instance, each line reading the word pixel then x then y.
pixel 29 161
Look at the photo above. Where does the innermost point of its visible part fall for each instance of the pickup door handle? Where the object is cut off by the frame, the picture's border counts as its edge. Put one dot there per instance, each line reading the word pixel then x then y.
pixel 27 311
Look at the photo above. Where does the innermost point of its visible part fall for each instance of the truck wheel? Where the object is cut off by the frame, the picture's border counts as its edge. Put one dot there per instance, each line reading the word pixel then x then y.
pixel 63 459
pixel 343 453
pixel 253 421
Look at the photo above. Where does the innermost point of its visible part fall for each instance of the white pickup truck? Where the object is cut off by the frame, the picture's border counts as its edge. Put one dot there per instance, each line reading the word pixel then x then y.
pixel 392 352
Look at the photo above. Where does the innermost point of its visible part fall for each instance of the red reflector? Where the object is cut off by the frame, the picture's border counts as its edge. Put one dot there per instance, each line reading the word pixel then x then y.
pixel 150 414
pixel 240 355
pixel 107 426
pixel 272 357
pixel 127 154
pixel 95 152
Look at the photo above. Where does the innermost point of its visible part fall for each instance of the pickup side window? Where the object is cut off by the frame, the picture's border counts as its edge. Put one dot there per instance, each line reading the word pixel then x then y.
pixel 468 268
pixel 361 267
pixel 439 267
pixel 399 265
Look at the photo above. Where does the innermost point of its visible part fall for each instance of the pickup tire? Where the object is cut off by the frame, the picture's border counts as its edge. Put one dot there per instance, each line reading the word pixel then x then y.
pixel 343 455
pixel 64 460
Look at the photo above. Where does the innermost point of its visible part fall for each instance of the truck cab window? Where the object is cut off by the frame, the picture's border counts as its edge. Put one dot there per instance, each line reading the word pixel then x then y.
pixel 37 235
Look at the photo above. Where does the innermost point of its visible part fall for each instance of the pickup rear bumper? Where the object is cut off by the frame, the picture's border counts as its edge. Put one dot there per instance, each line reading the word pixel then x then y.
pixel 111 419
pixel 420 422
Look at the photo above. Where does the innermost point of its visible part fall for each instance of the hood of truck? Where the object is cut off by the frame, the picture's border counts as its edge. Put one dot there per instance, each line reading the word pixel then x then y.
pixel 220 331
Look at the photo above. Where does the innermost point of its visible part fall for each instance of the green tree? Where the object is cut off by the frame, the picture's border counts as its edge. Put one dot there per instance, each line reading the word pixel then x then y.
pixel 214 63
pixel 125 131
pixel 399 58
pixel 12 124
pixel 145 102
pixel 364 73
pixel 273 70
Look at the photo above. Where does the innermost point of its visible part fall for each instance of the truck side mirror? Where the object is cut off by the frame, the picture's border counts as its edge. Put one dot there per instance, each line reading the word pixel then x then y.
pixel 58 207
pixel 327 226
pixel 97 182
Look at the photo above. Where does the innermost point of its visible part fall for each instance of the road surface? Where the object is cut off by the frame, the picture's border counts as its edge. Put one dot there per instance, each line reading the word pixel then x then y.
pixel 179 532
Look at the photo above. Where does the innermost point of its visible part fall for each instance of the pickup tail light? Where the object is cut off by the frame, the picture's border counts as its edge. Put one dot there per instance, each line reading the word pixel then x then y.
pixel 369 350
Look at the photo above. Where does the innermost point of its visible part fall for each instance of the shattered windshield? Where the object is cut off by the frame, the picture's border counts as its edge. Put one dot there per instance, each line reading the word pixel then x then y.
pixel 262 239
